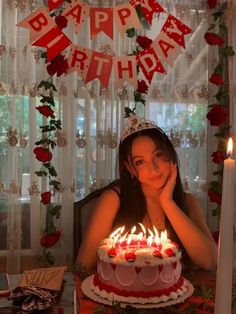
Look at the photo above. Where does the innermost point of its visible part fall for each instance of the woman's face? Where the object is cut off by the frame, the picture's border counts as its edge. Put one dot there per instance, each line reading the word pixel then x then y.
pixel 148 163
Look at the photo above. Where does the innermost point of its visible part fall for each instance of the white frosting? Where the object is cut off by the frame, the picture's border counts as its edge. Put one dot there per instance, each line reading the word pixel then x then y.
pixel 164 298
pixel 143 255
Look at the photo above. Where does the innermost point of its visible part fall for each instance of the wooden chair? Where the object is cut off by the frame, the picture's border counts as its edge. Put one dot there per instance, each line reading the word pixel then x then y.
pixel 82 211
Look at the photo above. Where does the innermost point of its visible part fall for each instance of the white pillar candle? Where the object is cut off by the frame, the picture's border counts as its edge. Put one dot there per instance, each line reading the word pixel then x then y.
pixel 223 298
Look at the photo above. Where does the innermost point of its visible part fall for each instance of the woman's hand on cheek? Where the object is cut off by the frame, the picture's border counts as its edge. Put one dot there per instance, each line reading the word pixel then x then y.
pixel 167 190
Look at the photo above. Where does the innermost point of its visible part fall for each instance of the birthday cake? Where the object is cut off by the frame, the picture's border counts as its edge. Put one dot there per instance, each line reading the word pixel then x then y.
pixel 139 269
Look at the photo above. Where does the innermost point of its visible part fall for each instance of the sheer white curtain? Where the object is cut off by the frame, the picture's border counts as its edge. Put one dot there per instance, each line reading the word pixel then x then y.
pixel 92 119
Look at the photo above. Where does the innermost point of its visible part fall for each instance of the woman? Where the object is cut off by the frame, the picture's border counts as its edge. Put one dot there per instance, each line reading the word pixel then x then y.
pixel 149 191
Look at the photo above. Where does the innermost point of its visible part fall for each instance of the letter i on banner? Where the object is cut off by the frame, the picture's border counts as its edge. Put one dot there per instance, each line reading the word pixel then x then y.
pixel 76 12
pixel 125 70
pixel 101 20
pixel 39 23
pixel 176 30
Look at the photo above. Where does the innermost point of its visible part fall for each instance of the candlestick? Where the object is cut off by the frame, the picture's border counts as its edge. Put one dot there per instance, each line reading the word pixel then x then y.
pixel 223 296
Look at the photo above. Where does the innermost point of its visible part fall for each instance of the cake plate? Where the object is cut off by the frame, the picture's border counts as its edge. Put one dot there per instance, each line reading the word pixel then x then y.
pixel 86 287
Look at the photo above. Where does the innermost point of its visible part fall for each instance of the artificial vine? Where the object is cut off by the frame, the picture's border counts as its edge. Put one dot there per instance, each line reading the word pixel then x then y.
pixel 43 152
pixel 218 114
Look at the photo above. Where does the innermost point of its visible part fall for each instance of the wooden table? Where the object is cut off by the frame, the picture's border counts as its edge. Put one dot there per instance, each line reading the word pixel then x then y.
pixel 203 281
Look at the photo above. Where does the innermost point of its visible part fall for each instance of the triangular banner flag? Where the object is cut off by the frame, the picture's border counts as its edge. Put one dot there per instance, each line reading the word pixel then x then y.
pixel 176 30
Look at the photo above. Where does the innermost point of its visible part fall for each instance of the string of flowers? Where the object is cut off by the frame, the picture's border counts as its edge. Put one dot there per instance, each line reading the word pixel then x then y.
pixel 58 66
pixel 142 42
pixel 218 114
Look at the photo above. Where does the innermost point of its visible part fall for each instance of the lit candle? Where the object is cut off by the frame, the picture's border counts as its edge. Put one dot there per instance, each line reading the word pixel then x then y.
pixel 223 296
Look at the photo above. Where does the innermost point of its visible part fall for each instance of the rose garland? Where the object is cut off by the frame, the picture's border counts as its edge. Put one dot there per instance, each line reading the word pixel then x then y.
pixel 218 113
pixel 43 152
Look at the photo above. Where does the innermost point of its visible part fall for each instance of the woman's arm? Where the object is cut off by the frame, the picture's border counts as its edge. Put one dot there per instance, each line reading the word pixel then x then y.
pixel 192 230
pixel 99 228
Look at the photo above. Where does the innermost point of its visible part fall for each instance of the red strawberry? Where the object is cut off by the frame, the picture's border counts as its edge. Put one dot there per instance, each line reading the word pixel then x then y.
pixel 130 256
pixel 169 252
pixel 112 252
pixel 157 253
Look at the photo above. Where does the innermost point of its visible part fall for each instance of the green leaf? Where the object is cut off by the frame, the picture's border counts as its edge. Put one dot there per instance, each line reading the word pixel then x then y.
pixel 228 51
pixel 47 128
pixel 50 168
pixel 215 212
pixel 219 69
pixel 55 211
pixel 41 173
pixel 50 258
pixel 131 32
pixel 55 183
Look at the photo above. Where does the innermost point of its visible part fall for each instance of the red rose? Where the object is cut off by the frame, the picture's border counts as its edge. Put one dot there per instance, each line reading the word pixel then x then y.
pixel 212 3
pixel 46 197
pixel 218 157
pixel 214 197
pixel 217 115
pixel 214 39
pixel 61 21
pixel 49 240
pixel 46 111
pixel 142 87
pixel 216 79
pixel 143 41
pixel 43 154
pixel 58 65
pixel 216 235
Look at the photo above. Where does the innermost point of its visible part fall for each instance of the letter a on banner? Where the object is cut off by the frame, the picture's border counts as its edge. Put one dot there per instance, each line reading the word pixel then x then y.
pixel 125 70
pixel 39 23
pixel 166 48
pixel 76 12
pixel 176 30
pixel 101 20
pixel 126 16
pixel 100 67
pixel 149 63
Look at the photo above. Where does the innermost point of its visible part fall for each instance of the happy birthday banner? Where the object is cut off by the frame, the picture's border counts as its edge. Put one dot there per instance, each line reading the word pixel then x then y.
pixel 90 64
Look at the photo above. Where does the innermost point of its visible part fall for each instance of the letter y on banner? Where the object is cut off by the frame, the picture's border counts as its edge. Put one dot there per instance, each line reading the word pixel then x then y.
pixel 176 30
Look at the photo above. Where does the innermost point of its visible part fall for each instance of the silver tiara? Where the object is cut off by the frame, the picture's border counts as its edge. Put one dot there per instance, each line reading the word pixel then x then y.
pixel 136 124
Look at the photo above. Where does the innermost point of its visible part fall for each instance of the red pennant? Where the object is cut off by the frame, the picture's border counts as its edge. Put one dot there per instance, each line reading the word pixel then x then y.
pixel 148 7
pixel 149 63
pixel 55 42
pixel 100 67
pixel 53 4
pixel 176 30
pixel 101 20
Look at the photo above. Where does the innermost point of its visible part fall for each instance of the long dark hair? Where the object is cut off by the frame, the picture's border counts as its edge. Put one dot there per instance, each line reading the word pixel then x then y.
pixel 133 205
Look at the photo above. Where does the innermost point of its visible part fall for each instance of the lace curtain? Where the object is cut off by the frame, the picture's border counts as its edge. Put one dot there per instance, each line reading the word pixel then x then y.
pixel 92 119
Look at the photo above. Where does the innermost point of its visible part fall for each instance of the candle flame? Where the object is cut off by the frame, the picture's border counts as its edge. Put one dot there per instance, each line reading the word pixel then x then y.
pixel 117 236
pixel 230 147
pixel 149 240
pixel 140 236
pixel 143 228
